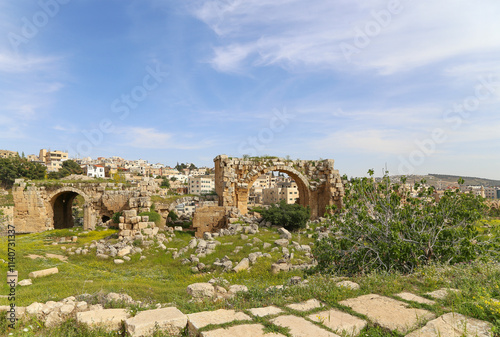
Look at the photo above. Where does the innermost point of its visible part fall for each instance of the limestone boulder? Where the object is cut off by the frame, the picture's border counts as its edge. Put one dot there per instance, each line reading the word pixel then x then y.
pixel 201 290
pixel 170 320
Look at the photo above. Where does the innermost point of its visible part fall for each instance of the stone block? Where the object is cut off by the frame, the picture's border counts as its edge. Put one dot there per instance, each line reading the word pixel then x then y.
pixel 199 320
pixel 243 265
pixel 44 272
pixel 201 290
pixel 170 320
pixel 110 319
pixel 387 312
pixel 300 327
pixel 453 324
pixel 244 330
pixel 306 306
pixel 282 242
pixel 265 311
pixel 339 321
pixel 414 298
pixel 142 225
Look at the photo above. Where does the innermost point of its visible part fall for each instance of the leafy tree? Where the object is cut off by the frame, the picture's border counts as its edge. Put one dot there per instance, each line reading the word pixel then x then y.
pixel 290 216
pixel 172 215
pixel 382 227
pixel 173 179
pixel 165 183
pixel 14 168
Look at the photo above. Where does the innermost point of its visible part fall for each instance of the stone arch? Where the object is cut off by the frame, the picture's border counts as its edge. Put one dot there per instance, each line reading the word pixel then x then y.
pixel 302 182
pixel 61 202
pixel 320 185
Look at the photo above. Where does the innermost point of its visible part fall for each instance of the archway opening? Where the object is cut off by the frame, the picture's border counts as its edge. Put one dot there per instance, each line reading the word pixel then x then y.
pixel 273 187
pixel 68 210
pixel 105 219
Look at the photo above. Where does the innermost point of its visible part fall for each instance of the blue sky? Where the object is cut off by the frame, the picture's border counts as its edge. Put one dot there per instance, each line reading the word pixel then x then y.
pixel 411 84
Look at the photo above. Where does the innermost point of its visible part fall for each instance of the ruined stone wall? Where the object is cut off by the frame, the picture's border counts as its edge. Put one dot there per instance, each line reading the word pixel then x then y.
pixel 34 205
pixel 209 219
pixel 319 184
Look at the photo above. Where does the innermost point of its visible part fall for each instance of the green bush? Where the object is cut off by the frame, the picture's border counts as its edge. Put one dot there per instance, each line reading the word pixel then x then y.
pixel 290 216
pixel 153 216
pixel 382 227
pixel 116 217
pixel 172 215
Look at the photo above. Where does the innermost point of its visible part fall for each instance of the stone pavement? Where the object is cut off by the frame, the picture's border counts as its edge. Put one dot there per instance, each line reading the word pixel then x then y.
pixel 310 318
pixel 314 319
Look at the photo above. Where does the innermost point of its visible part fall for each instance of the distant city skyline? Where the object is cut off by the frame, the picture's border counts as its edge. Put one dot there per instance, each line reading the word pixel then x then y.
pixel 411 85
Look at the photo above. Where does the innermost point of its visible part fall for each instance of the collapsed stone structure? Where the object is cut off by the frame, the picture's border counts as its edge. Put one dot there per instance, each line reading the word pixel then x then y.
pixel 45 206
pixel 319 185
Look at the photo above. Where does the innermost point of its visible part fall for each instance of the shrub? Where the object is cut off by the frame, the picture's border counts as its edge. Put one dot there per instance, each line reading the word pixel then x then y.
pixel 290 216
pixel 116 217
pixel 382 227
pixel 153 216
pixel 172 215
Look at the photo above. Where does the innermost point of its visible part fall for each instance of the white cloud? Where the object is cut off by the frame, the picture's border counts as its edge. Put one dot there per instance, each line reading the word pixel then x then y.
pixel 386 141
pixel 294 33
pixel 150 138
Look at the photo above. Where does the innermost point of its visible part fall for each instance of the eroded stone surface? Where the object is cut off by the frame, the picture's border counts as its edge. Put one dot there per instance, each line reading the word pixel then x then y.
pixel 454 325
pixel 111 319
pixel 414 298
pixel 265 311
pixel 442 293
pixel 339 321
pixel 306 306
pixel 171 320
pixel 299 327
pixel 389 313
pixel 348 284
pixel 44 272
pixel 199 320
pixel 245 330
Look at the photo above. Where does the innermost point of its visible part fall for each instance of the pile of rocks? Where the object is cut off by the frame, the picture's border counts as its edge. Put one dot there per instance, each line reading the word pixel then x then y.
pixel 217 288
pixel 130 225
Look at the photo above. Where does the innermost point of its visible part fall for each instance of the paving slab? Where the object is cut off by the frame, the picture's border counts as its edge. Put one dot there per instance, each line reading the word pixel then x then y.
pixel 339 321
pixel 170 319
pixel 412 297
pixel 266 311
pixel 111 319
pixel 61 258
pixel 387 312
pixel 306 306
pixel 199 320
pixel 300 327
pixel 244 330
pixel 442 293
pixel 454 325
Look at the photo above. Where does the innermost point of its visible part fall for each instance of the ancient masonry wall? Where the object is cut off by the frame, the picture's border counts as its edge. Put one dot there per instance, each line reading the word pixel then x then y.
pixel 319 184
pixel 34 205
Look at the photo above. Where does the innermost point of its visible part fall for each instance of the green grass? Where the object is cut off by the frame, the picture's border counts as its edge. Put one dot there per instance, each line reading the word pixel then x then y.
pixel 7 200
pixel 161 279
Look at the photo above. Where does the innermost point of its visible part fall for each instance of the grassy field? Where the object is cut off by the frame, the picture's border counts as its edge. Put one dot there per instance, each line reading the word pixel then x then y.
pixel 161 279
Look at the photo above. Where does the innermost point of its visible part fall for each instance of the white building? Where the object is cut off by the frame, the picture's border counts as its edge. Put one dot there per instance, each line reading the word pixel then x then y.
pixel 201 184
pixel 95 171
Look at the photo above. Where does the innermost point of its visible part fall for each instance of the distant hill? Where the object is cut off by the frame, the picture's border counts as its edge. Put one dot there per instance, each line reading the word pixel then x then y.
pixel 468 180
pixel 443 180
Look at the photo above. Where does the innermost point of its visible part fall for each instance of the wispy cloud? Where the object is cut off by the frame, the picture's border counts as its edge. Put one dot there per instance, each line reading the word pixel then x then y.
pixel 300 33
pixel 150 138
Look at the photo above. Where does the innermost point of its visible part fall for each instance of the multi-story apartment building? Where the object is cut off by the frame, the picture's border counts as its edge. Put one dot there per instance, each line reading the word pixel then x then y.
pixel 7 154
pixel 492 192
pixel 284 190
pixel 201 184
pixel 53 159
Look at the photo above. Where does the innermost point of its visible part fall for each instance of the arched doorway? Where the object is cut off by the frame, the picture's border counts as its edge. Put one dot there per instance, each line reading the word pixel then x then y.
pixel 70 207
pixel 273 187
pixel 293 188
